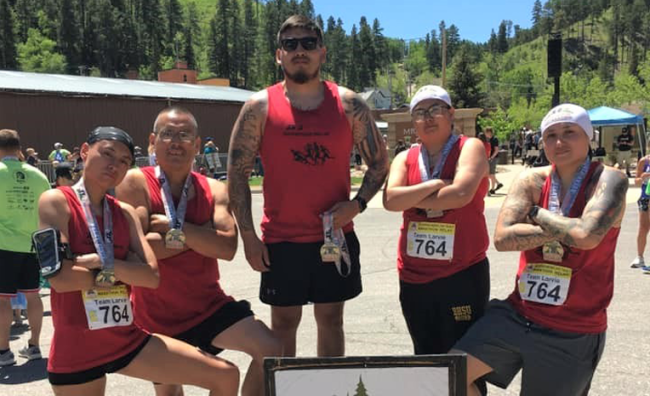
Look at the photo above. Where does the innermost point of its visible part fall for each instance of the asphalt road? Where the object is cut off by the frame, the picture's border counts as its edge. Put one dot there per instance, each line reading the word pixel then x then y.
pixel 373 321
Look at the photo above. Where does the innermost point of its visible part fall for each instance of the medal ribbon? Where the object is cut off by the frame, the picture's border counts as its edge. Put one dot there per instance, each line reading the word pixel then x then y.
pixel 425 166
pixel 104 246
pixel 175 215
pixel 337 238
pixel 570 196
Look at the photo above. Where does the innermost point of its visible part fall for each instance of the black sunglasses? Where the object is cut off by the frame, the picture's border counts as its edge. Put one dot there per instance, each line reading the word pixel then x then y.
pixel 307 43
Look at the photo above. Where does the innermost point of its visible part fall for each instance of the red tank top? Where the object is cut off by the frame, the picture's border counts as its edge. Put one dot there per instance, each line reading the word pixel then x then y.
pixel 74 346
pixel 592 278
pixel 471 238
pixel 306 159
pixel 189 289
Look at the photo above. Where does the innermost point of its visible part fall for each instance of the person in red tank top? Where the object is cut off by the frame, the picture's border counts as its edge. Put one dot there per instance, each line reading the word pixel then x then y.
pixel 565 220
pixel 187 221
pixel 440 185
pixel 94 330
pixel 304 129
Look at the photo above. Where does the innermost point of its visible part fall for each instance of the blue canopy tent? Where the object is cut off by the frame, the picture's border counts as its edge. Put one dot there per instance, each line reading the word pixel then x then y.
pixel 607 116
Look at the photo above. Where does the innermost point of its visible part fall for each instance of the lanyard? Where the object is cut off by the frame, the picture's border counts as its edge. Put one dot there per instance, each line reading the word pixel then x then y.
pixel 423 161
pixel 337 238
pixel 10 157
pixel 103 245
pixel 570 196
pixel 175 215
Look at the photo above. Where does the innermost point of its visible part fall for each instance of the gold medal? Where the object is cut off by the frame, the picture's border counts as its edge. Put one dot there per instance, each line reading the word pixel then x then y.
pixel 105 278
pixel 330 253
pixel 553 251
pixel 432 214
pixel 175 239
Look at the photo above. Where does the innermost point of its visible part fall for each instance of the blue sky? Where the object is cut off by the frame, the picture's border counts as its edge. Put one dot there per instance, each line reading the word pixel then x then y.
pixel 410 19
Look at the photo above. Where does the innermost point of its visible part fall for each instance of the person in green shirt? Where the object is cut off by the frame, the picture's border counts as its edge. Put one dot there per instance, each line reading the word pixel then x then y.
pixel 59 153
pixel 21 185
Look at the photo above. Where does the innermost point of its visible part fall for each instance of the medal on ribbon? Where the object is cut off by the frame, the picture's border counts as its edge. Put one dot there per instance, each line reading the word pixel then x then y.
pixel 553 251
pixel 174 238
pixel 103 245
pixel 329 252
pixel 335 248
pixel 425 168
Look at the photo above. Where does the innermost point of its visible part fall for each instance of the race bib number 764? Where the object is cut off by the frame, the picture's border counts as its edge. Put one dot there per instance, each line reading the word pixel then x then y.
pixel 545 283
pixel 107 307
pixel 430 240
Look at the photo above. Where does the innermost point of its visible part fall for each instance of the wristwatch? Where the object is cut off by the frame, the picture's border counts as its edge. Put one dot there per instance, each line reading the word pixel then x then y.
pixel 533 212
pixel 362 203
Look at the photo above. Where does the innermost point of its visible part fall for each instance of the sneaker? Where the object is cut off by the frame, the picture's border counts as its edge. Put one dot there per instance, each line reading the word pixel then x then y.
pixel 638 263
pixel 31 352
pixel 646 270
pixel 499 185
pixel 491 193
pixel 7 359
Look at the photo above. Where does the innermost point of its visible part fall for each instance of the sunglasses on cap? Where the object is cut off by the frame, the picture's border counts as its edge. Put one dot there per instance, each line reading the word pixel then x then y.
pixel 307 43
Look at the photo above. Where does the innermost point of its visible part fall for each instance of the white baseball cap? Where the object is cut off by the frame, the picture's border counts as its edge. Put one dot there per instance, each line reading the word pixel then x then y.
pixel 430 92
pixel 570 113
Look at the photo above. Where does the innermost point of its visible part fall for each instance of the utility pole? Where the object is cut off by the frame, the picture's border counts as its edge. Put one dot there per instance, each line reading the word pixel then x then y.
pixel 444 57
pixel 554 64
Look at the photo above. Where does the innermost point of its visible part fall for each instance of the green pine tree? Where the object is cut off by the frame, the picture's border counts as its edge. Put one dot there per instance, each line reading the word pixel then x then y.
pixel 8 54
pixel 361 388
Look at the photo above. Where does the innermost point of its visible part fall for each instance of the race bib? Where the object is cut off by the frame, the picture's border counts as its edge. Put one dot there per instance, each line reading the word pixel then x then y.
pixel 434 241
pixel 107 307
pixel 545 283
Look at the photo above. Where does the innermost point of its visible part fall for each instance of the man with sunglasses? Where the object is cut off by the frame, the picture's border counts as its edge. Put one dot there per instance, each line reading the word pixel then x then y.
pixel 187 222
pixel 304 129
pixel 440 186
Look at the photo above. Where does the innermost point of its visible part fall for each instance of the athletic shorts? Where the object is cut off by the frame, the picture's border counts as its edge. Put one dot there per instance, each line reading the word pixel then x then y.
pixel 439 312
pixel 85 376
pixel 201 335
pixel 19 272
pixel 298 276
pixel 493 165
pixel 623 156
pixel 554 362
pixel 643 204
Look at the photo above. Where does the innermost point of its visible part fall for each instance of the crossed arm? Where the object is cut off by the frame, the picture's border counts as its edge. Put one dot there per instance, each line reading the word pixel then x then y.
pixel 437 194
pixel 138 269
pixel 605 208
pixel 216 238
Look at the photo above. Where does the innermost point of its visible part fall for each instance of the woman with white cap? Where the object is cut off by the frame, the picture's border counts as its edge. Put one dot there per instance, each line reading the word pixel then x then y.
pixel 565 220
pixel 440 187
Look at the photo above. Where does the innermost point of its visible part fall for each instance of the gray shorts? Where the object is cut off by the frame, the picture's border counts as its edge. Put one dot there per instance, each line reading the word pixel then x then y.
pixel 554 362
pixel 493 165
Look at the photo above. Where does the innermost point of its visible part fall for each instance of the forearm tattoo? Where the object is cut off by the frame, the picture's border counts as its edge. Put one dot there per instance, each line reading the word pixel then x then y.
pixel 369 143
pixel 513 231
pixel 244 146
pixel 603 210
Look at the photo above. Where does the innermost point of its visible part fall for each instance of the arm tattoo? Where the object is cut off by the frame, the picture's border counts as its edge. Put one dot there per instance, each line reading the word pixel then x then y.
pixel 513 231
pixel 244 146
pixel 604 210
pixel 369 142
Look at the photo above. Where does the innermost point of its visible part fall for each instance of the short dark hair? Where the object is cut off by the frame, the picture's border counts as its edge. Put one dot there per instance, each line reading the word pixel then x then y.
pixel 175 109
pixel 9 139
pixel 301 22
pixel 63 171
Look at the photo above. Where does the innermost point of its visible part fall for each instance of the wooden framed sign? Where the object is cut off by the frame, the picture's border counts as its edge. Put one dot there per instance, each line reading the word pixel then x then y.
pixel 425 375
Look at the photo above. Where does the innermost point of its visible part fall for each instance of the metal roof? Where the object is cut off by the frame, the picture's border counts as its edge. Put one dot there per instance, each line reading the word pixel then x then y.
pixel 78 85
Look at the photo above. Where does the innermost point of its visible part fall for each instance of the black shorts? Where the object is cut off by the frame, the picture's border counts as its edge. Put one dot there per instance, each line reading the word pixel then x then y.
pixel 201 335
pixel 19 272
pixel 438 313
pixel 85 376
pixel 298 276
pixel 643 204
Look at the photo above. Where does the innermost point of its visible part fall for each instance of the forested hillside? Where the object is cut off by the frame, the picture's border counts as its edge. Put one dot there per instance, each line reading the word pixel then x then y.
pixel 605 57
